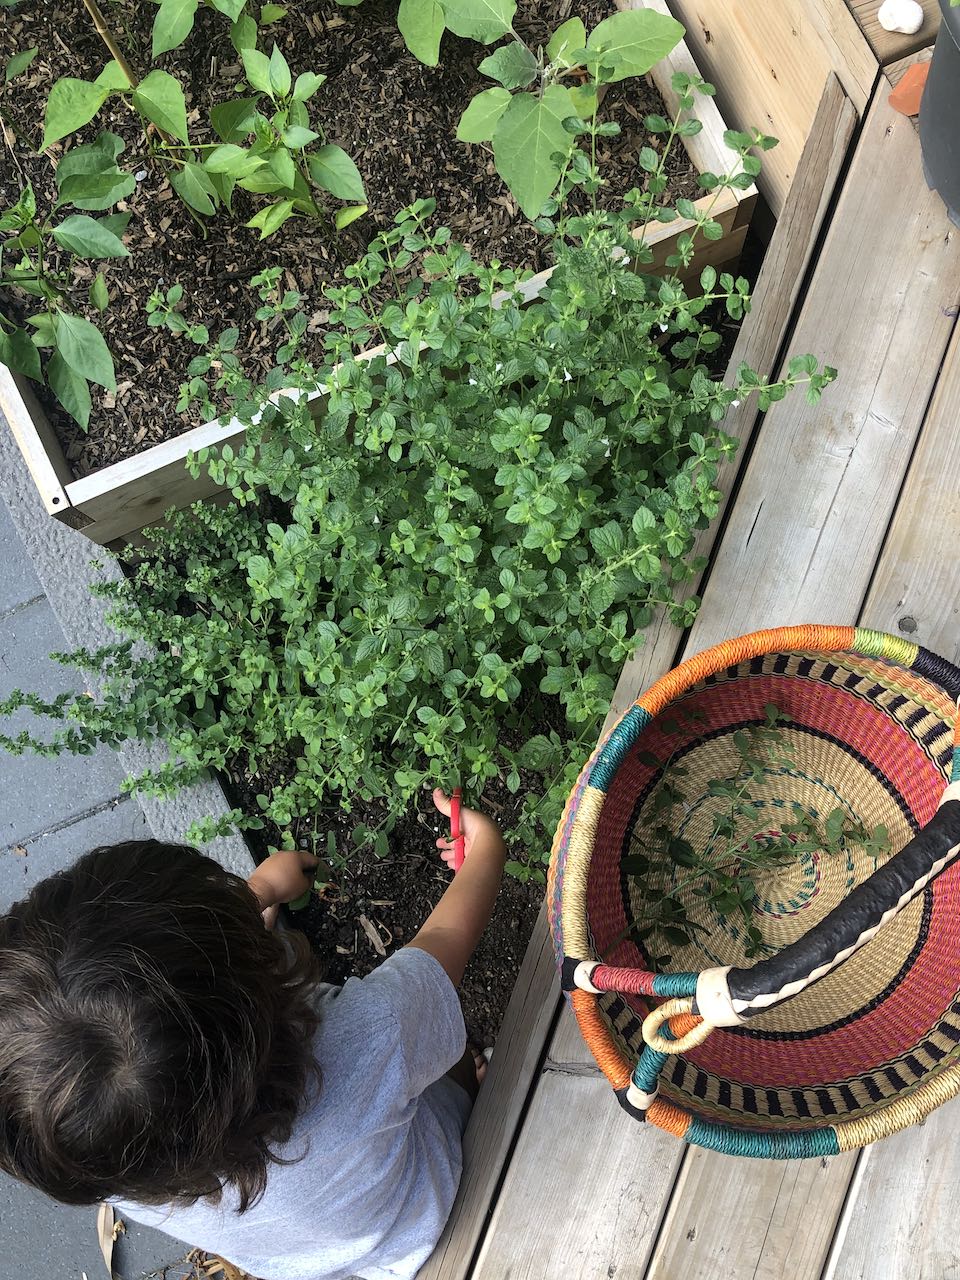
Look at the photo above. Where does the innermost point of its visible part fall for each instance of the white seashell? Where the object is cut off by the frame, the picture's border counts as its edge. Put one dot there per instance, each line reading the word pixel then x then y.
pixel 901 15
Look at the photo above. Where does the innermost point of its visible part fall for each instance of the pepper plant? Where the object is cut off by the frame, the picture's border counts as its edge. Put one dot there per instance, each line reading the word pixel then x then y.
pixel 436 556
pixel 174 21
pixel 38 252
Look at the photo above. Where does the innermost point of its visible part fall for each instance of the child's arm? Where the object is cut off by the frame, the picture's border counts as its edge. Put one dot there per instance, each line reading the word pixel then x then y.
pixel 283 877
pixel 455 925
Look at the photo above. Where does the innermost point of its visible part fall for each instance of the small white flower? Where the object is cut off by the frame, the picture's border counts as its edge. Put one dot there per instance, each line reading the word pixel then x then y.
pixel 376 519
pixel 613 290
pixel 140 175
pixel 663 328
pixel 735 404
pixel 472 382
pixel 498 367
pixel 567 375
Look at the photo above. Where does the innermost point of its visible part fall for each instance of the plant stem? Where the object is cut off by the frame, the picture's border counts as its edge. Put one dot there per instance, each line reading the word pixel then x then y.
pixel 108 38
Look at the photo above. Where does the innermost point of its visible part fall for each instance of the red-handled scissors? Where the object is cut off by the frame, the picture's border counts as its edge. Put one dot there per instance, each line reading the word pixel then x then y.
pixel 456 834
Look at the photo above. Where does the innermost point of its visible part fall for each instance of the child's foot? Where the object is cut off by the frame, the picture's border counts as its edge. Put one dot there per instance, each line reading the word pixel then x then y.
pixel 481 1061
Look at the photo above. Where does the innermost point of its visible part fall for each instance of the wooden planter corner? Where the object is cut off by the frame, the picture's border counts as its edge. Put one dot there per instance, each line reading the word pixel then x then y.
pixel 113 504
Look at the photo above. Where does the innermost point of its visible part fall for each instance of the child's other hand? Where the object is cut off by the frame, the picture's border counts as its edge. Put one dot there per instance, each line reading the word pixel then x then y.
pixel 282 878
pixel 481 834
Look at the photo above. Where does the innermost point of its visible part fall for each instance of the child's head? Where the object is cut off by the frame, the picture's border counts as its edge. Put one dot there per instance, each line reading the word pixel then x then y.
pixel 155 1038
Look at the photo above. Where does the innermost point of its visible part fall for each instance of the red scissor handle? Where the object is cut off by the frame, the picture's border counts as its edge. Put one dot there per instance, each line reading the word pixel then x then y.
pixel 456 834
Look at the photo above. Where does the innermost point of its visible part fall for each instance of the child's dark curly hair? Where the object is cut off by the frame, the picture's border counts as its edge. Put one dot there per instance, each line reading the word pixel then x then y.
pixel 155 1038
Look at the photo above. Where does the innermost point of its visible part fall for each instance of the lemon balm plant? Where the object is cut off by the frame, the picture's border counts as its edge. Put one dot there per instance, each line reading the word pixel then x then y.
pixel 437 556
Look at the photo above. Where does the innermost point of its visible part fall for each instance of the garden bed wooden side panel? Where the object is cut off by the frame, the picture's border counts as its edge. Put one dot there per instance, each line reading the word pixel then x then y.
pixel 495 1150
pixel 768 60
pixel 38 443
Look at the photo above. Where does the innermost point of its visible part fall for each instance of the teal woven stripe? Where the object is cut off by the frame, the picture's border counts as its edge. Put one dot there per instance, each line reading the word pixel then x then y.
pixel 618 744
pixel 764 1146
pixel 955 769
pixel 647 1070
pixel 672 985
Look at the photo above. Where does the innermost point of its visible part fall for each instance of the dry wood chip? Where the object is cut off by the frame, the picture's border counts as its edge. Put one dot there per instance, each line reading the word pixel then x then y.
pixel 20 850
pixel 374 936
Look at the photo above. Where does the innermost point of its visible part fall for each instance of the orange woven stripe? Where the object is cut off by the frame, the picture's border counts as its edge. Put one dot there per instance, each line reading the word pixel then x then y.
pixel 680 1025
pixel 599 1042
pixel 666 1116
pixel 730 652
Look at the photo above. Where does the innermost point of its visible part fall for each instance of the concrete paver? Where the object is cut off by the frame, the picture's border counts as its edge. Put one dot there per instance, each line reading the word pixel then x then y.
pixel 39 793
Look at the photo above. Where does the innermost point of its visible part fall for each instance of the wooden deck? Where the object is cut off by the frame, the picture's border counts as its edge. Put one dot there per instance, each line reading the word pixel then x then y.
pixel 847 512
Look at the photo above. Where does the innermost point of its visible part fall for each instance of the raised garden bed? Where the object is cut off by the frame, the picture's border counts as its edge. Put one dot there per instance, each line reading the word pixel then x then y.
pixel 114 502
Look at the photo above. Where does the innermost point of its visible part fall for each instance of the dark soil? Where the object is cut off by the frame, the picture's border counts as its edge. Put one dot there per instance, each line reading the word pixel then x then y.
pixel 395 117
pixel 389 898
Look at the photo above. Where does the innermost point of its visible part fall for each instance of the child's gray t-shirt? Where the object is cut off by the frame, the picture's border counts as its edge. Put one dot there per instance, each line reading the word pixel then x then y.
pixel 382 1141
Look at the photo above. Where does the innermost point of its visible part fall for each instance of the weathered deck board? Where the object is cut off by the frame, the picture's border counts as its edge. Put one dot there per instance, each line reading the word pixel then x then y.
pixel 916 589
pixel 769 59
pixel 607 1215
pixel 895 71
pixel 826 518
pixel 821 487
pixel 772 1221
pixel 890 46
pixel 491 1130
pixel 904 1206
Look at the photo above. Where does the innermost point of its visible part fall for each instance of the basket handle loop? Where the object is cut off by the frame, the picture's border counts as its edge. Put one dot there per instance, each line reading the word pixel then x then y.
pixel 690 1029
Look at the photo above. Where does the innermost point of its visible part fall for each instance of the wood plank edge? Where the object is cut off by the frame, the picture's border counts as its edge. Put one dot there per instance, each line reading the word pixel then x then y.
pixel 36 440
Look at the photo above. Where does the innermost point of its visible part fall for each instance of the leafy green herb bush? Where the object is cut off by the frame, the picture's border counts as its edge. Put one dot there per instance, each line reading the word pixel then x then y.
pixel 37 256
pixel 437 556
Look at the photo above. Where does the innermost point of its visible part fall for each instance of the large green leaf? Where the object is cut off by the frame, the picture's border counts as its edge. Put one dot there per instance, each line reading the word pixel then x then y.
pixel 70 389
pixel 306 85
pixel 160 98
pixel 569 38
pixel 88 176
pixel 512 65
pixel 18 64
pixel 528 137
pixel 638 37
pixel 195 189
pixel 84 351
pixel 234 120
pixel 483 20
pixel 232 8
pixel 422 24
pixel 172 24
pixel 243 33
pixel 271 218
pixel 18 353
pixel 113 78
pixel 88 238
pixel 71 104
pixel 256 66
pixel 480 118
pixel 280 78
pixel 333 170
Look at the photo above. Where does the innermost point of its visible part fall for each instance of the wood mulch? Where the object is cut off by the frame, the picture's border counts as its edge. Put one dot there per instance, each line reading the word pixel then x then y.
pixel 395 117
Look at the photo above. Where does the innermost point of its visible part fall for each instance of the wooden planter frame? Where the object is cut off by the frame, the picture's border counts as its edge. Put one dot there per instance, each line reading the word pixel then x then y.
pixel 116 502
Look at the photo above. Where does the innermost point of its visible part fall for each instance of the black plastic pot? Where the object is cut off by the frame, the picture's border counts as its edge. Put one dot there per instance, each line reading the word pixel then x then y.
pixel 940 113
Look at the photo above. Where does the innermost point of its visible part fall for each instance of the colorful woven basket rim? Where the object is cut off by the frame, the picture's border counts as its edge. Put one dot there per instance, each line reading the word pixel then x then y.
pixel 695 1003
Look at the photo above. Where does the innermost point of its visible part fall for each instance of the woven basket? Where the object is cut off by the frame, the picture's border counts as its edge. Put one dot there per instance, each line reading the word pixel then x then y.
pixel 847 1026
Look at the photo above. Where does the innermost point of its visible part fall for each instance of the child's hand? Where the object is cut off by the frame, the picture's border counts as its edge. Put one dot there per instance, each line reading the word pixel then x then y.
pixel 481 834
pixel 282 878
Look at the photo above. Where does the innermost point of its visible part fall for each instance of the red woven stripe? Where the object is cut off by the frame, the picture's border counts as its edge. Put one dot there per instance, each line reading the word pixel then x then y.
pixel 633 982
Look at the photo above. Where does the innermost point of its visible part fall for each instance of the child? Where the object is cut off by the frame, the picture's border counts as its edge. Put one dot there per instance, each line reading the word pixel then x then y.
pixel 162 1048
